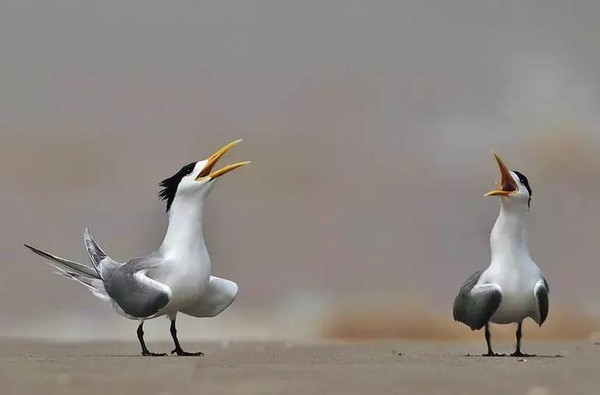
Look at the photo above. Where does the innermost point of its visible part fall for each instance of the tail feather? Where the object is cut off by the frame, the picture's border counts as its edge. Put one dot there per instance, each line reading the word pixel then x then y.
pixel 82 274
pixel 94 251
pixel 96 286
pixel 65 264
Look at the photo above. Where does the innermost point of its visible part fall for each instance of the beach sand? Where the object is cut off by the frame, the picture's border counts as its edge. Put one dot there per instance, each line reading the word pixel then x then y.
pixel 28 367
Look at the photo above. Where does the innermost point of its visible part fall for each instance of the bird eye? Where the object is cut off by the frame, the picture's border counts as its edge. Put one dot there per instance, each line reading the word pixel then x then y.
pixel 187 170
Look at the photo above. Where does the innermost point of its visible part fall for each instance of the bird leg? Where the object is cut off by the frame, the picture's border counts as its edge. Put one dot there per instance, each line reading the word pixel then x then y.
pixel 145 352
pixel 488 340
pixel 178 350
pixel 518 352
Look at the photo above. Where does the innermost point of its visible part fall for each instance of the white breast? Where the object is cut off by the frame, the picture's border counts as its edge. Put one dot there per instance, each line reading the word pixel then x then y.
pixel 517 280
pixel 186 277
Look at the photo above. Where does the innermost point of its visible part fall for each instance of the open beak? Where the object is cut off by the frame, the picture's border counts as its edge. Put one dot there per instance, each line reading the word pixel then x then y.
pixel 507 185
pixel 214 158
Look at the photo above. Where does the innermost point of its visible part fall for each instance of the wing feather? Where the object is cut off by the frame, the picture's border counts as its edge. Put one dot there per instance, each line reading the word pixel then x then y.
pixel 476 303
pixel 136 293
pixel 541 294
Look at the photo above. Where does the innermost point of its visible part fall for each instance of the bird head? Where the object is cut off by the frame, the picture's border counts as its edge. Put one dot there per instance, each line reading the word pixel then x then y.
pixel 196 179
pixel 513 186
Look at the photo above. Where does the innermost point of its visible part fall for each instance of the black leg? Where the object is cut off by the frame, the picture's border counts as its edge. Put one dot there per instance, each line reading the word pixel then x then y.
pixel 519 334
pixel 178 350
pixel 145 352
pixel 488 340
pixel 518 352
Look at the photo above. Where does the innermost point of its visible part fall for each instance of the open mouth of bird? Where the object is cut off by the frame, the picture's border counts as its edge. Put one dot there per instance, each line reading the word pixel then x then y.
pixel 214 158
pixel 507 184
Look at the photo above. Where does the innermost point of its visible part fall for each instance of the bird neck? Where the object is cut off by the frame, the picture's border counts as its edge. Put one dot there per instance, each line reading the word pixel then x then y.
pixel 508 240
pixel 185 233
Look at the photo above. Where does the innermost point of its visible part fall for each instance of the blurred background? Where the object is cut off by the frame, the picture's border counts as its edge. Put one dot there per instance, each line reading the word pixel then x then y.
pixel 369 124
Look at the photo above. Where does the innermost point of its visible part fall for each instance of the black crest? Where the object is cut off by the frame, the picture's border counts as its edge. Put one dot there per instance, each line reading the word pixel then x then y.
pixel 525 182
pixel 170 184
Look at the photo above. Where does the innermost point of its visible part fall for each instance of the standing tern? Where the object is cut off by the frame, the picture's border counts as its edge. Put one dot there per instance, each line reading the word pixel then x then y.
pixel 176 277
pixel 512 288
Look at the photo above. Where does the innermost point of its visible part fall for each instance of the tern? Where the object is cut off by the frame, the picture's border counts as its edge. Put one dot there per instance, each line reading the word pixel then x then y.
pixel 176 277
pixel 513 287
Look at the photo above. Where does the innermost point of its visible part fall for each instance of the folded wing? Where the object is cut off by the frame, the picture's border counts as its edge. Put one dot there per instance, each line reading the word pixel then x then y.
pixel 540 291
pixel 219 294
pixel 475 304
pixel 125 285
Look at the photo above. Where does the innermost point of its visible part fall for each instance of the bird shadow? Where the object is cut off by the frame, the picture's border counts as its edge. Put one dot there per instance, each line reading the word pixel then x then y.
pixel 134 356
pixel 127 356
pixel 536 356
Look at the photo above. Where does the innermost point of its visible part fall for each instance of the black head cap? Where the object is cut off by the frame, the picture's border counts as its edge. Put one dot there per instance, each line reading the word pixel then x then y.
pixel 525 183
pixel 170 184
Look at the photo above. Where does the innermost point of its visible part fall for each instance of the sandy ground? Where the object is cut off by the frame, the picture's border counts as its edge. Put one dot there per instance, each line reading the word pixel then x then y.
pixel 299 368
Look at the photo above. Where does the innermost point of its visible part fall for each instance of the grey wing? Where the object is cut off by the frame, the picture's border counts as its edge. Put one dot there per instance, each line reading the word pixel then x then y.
pixel 475 304
pixel 137 294
pixel 541 294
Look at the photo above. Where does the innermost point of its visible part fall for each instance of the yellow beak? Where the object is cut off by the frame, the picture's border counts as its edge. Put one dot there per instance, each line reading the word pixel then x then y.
pixel 507 185
pixel 214 158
